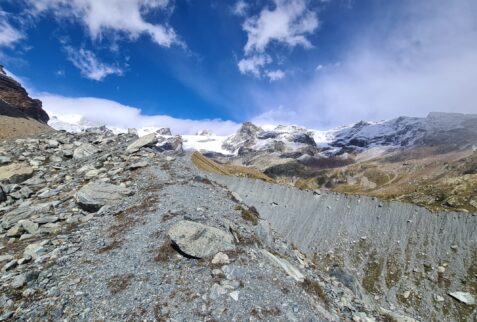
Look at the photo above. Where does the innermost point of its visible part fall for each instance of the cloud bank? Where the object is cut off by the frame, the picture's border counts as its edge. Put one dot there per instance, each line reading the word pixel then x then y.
pixel 111 113
pixel 424 60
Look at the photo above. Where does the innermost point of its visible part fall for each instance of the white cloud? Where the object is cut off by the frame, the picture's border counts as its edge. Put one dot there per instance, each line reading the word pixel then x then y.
pixel 240 8
pixel 9 35
pixel 274 75
pixel 425 61
pixel 253 65
pixel 111 113
pixel 288 23
pixel 89 66
pixel 124 17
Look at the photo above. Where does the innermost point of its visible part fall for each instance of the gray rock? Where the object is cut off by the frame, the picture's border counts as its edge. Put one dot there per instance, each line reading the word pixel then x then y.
pixel 137 165
pixel 97 194
pixel 84 150
pixel 34 250
pixel 19 281
pixel 463 297
pixel 220 259
pixel 15 231
pixel 164 131
pixel 29 226
pixel 46 219
pixel 216 291
pixel 23 193
pixel 9 265
pixel 170 144
pixel 4 160
pixel 25 211
pixel 198 240
pixel 15 173
pixel 53 143
pixel 3 195
pixel 264 232
pixel 144 141
pixel 5 258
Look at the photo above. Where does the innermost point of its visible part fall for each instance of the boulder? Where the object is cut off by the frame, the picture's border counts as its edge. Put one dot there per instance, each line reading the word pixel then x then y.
pixel 95 195
pixel 463 297
pixel 34 251
pixel 22 279
pixel 15 173
pixel 15 231
pixel 4 160
pixel 198 240
pixel 29 226
pixel 170 144
pixel 84 150
pixel 144 141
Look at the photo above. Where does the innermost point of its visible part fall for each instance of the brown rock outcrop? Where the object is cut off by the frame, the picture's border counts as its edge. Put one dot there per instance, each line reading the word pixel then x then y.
pixel 15 95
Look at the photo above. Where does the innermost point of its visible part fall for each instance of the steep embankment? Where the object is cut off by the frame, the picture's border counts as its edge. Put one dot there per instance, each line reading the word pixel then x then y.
pixel 402 254
pixel 15 124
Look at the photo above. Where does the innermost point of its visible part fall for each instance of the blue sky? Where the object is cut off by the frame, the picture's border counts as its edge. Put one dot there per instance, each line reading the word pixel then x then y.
pixel 191 64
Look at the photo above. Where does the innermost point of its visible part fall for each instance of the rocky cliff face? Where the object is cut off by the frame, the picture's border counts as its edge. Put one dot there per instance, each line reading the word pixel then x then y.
pixel 15 95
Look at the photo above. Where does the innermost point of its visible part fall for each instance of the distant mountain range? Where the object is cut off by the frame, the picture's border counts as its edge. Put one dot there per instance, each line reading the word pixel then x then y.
pixel 449 130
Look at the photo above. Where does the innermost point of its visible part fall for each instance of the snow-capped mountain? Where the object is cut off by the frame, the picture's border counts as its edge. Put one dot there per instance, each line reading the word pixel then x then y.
pixel 436 128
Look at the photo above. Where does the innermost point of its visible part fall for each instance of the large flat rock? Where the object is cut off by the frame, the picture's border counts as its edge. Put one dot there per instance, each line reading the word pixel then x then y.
pixel 15 173
pixel 95 195
pixel 198 240
pixel 143 141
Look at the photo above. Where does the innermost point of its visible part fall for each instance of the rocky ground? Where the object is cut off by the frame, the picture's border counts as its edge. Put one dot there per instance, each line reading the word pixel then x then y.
pixel 99 227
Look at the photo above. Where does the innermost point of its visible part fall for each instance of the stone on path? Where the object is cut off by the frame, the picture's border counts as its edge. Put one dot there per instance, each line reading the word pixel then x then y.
pixel 463 297
pixel 143 141
pixel 198 240
pixel 95 195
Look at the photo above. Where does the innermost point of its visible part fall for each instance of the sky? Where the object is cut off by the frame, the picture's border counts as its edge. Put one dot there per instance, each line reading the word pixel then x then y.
pixel 193 65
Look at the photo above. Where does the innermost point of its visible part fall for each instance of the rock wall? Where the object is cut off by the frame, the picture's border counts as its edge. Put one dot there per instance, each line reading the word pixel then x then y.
pixel 402 255
pixel 15 95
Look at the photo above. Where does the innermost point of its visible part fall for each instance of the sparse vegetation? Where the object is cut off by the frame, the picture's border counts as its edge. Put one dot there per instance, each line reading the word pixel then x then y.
pixel 314 288
pixel 208 165
pixel 251 214
pixel 165 252
pixel 119 283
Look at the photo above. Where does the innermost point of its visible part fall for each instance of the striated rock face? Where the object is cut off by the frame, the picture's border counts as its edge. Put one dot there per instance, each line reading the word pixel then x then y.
pixel 15 95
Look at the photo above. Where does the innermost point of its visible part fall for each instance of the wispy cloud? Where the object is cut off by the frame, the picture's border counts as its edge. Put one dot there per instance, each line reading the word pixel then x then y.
pixel 120 17
pixel 253 65
pixel 274 75
pixel 288 23
pixel 240 8
pixel 89 65
pixel 9 35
